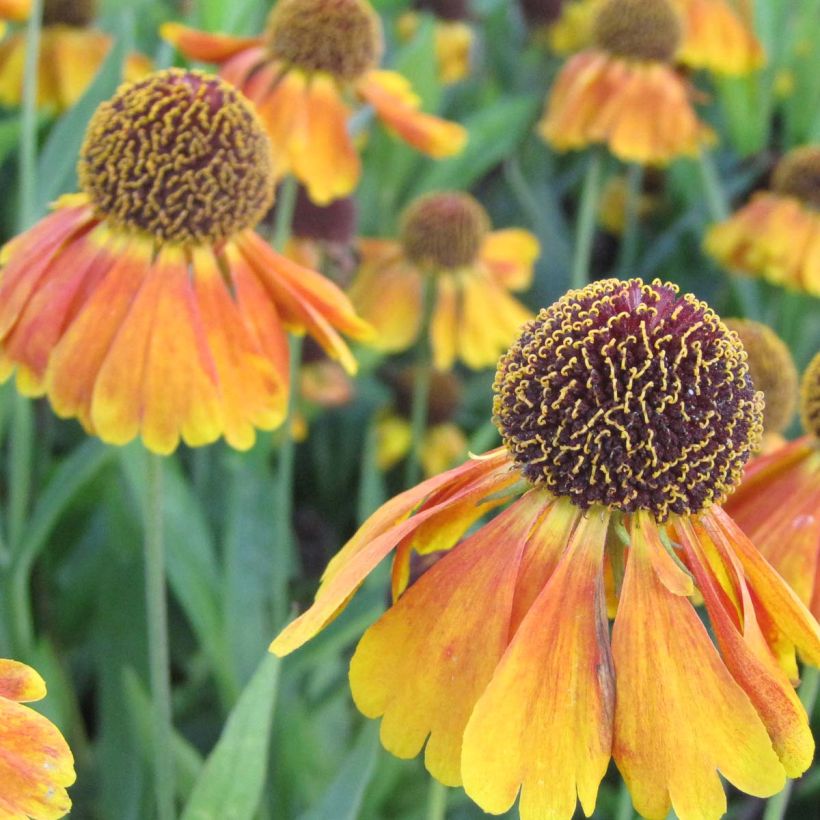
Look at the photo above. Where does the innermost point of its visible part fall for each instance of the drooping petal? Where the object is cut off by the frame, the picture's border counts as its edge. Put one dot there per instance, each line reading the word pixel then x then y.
pixel 544 723
pixel 203 46
pixel 444 323
pixel 680 716
pixel 398 107
pixel 425 662
pixel 510 255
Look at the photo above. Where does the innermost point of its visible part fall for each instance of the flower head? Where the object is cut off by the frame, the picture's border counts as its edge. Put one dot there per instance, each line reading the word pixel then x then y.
pixel 772 370
pixel 776 234
pixel 623 91
pixel 446 239
pixel 147 305
pixel 36 765
pixel 314 56
pixel 627 413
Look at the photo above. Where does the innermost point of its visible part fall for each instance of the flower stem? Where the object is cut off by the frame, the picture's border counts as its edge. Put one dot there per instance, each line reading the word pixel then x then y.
pixel 809 689
pixel 283 217
pixel 585 225
pixel 27 212
pixel 422 376
pixel 436 801
pixel 159 659
pixel 743 289
pixel 624 810
pixel 629 239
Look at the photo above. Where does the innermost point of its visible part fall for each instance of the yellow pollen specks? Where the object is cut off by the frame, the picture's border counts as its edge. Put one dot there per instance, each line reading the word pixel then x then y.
pixel 630 396
pixel 341 37
pixel 772 369
pixel 444 231
pixel 638 29
pixel 810 398
pixel 179 155
pixel 798 175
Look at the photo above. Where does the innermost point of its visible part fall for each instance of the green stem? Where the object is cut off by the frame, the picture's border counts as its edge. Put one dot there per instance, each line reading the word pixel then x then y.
pixel 159 659
pixel 436 801
pixel 585 225
pixel 809 689
pixel 743 289
pixel 629 239
pixel 28 121
pixel 422 377
pixel 624 810
pixel 283 217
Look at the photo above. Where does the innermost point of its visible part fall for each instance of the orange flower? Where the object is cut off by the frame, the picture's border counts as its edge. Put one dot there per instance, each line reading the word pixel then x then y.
pixel 627 415
pixel 446 236
pixel 314 55
pixel 777 234
pixel 147 305
pixel 624 92
pixel 16 10
pixel 454 39
pixel 71 53
pixel 36 764
pixel 778 503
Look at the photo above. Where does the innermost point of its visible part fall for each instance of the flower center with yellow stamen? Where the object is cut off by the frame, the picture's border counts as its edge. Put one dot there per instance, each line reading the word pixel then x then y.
pixel 444 231
pixel 810 398
pixel 341 37
pixel 638 29
pixel 798 175
pixel 772 370
pixel 78 13
pixel 180 155
pixel 630 396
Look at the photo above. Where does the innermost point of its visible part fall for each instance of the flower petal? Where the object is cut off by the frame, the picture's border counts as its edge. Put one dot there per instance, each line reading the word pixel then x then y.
pixel 510 255
pixel 205 47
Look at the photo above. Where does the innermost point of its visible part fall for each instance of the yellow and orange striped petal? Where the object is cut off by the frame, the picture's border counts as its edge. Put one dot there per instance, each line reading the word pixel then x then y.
pixel 36 765
pixel 510 256
pixel 203 46
pixel 398 107
pixel 425 662
pixel 544 724
pixel 679 716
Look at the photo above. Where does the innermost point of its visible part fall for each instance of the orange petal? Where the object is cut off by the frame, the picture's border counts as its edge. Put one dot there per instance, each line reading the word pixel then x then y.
pixel 679 714
pixel 283 110
pixel 510 256
pixel 69 60
pixel 425 662
pixel 19 682
pixel 544 723
pixel 379 535
pixel 396 105
pixel 445 322
pixel 200 45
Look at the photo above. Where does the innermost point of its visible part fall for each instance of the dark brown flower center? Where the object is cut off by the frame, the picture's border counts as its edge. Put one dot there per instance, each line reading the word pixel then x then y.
pixel 180 155
pixel 630 396
pixel 452 10
pixel 810 398
pixel 78 13
pixel 798 175
pixel 638 29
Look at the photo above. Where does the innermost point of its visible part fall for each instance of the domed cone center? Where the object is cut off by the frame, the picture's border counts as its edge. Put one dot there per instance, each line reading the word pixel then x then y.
pixel 638 29
pixel 79 13
pixel 630 396
pixel 810 398
pixel 444 231
pixel 798 175
pixel 179 155
pixel 772 370
pixel 341 37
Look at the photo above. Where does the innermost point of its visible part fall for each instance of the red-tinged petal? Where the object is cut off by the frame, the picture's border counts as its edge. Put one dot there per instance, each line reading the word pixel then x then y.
pixel 425 662
pixel 510 255
pixel 544 723
pixel 305 299
pixel 781 603
pixel 253 73
pixel 751 663
pixel 669 573
pixel 200 45
pixel 326 161
pixel 680 716
pixel 396 105
pixel 387 294
pixel 283 110
pixel 19 682
pixel 377 537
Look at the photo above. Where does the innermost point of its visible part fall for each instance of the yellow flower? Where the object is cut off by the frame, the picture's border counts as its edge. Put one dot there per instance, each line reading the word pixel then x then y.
pixel 777 234
pixel 627 415
pixel 446 237
pixel 147 305
pixel 36 765
pixel 314 56
pixel 71 54
pixel 624 92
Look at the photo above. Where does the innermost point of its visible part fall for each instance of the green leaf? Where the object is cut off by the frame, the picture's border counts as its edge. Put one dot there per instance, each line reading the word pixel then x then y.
pixel 343 799
pixel 230 785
